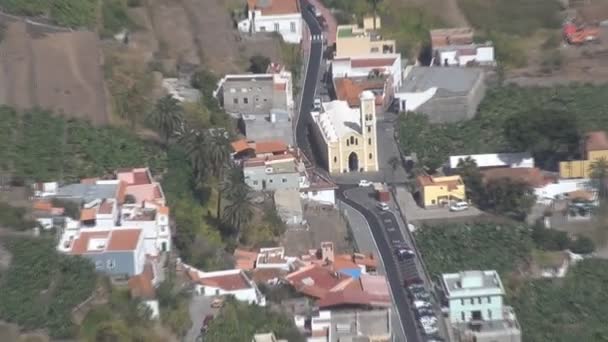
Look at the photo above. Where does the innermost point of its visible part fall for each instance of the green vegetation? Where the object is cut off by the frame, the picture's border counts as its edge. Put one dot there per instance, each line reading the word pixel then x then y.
pixel 44 147
pixel 456 247
pixel 570 310
pixel 550 119
pixel 238 322
pixel 258 64
pixel 14 218
pixel 507 23
pixel 115 17
pixel 42 286
pixel 72 13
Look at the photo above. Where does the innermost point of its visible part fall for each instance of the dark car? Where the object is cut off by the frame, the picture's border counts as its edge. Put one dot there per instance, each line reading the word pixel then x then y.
pixel 206 322
pixel 420 312
pixel 404 253
pixel 413 281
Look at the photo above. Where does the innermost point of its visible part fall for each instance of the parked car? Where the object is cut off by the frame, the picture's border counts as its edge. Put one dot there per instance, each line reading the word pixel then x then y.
pixel 217 303
pixel 422 304
pixel 383 206
pixel 316 105
pixel 411 281
pixel 430 329
pixel 206 321
pixel 365 183
pixel 424 312
pixel 459 206
pixel 404 253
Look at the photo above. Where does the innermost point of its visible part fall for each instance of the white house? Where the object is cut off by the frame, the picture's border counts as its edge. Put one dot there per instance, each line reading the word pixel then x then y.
pixel 521 159
pixel 281 16
pixel 462 55
pixel 228 282
pixel 366 65
pixel 154 221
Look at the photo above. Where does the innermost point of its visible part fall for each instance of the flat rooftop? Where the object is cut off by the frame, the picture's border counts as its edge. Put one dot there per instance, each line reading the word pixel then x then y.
pixel 88 192
pixel 472 283
pixel 359 325
pixel 345 32
pixel 449 81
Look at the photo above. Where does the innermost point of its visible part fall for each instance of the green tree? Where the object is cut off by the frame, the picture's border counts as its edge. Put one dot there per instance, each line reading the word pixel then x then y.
pixel 582 245
pixel 167 117
pixel 258 64
pixel 195 144
pixel 239 212
pixel 233 182
pixel 374 4
pixel 507 197
pixel 598 172
pixel 467 168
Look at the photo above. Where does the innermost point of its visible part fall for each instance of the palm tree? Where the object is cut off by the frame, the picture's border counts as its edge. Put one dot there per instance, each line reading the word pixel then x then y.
pixel 598 172
pixel 218 152
pixel 232 183
pixel 375 8
pixel 195 143
pixel 167 116
pixel 240 210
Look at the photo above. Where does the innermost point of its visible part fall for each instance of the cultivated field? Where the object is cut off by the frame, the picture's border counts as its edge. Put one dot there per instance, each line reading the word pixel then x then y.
pixel 49 68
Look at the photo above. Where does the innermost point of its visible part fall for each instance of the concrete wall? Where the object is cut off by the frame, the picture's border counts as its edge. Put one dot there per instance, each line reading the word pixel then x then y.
pixel 289 26
pixel 459 306
pixel 259 94
pixel 258 179
pixel 442 109
pixel 321 196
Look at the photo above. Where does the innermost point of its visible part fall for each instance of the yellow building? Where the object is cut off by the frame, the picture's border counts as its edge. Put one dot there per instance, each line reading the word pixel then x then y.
pixel 437 191
pixel 346 137
pixel 595 147
pixel 352 40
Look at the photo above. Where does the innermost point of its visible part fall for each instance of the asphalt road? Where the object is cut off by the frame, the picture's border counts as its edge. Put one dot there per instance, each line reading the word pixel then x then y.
pixel 385 229
pixel 310 84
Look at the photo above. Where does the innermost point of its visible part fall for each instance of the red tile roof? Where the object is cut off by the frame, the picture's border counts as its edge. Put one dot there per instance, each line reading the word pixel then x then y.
pixel 228 282
pixel 42 205
pixel 141 285
pixel 314 280
pixel 123 240
pixel 105 207
pixel 348 90
pixel 80 245
pixel 270 146
pixel 530 175
pixel 244 260
pixel 596 141
pixel 240 145
pixel 275 7
pixel 88 214
pixel 163 210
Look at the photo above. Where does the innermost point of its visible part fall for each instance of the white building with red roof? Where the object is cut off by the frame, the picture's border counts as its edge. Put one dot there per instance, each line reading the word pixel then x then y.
pixel 366 65
pixel 280 16
pixel 227 282
pixel 115 252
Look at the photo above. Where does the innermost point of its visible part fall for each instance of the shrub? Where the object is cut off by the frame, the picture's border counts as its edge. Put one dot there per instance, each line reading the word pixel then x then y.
pixel 582 245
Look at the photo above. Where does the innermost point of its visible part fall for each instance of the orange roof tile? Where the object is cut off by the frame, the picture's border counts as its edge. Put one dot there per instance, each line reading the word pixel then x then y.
pixel 80 244
pixel 349 90
pixel 530 175
pixel 244 260
pixel 228 282
pixel 105 207
pixel 88 214
pixel 42 205
pixel 596 141
pixel 275 7
pixel 240 145
pixel 270 146
pixel 426 180
pixel 124 240
pixel 163 210
pixel 141 285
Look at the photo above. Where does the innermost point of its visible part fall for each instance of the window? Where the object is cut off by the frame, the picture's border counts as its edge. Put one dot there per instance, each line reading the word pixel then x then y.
pixel 292 26
pixel 335 159
pixel 276 26
pixel 235 100
pixel 370 156
pixel 462 316
pixel 462 300
pixel 243 90
pixel 347 142
pixel 255 182
pixel 489 299
pixel 314 193
pixel 263 28
pixel 265 100
pixel 369 129
pixel 352 140
pixel 111 263
pixel 478 300
pixel 270 180
pixel 472 301
pixel 433 202
pixel 284 180
pixel 489 314
pixel 98 264
pixel 232 90
pixel 356 141
pixel 375 49
pixel 369 141
pixel 245 100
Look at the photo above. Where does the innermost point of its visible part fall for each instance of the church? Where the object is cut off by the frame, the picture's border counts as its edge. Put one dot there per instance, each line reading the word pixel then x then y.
pixel 346 137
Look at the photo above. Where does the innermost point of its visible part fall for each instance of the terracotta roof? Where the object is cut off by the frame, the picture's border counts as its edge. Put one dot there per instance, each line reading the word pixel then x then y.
pixel 144 192
pixel 89 180
pixel 348 90
pixel 42 205
pixel 163 210
pixel 426 180
pixel 314 280
pixel 530 175
pixel 123 240
pixel 280 86
pixel 80 245
pixel 228 282
pixel 105 207
pixel 88 214
pixel 240 145
pixel 264 275
pixel 244 260
pixel 371 62
pixel 135 176
pixel 141 285
pixel 274 7
pixel 596 141
pixel 270 146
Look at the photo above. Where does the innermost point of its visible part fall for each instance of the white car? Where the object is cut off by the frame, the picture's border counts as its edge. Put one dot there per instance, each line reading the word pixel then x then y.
pixel 422 304
pixel 364 183
pixel 316 105
pixel 459 206
pixel 383 206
